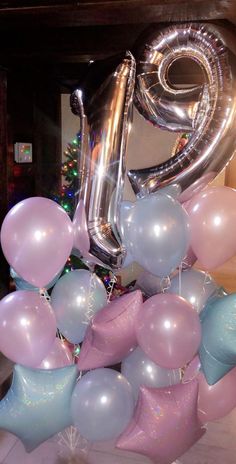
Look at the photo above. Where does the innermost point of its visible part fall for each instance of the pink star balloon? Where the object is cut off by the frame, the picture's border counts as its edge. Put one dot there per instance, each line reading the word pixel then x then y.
pixel 165 424
pixel 111 334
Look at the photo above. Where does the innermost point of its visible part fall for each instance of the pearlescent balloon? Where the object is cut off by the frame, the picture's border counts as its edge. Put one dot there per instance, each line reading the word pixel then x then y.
pixel 194 286
pixel 217 351
pixel 214 401
pixel 212 215
pixel 160 234
pixel 76 297
pixel 27 327
pixel 37 406
pixel 21 284
pixel 102 405
pixel 37 238
pixel 165 423
pixel 168 330
pixel 140 370
pixel 59 356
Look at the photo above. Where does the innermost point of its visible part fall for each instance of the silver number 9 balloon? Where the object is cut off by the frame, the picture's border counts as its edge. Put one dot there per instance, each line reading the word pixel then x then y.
pixel 104 130
pixel 207 112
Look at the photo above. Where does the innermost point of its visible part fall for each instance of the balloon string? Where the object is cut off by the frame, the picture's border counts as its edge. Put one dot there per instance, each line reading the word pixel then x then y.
pixel 44 294
pixel 110 287
pixel 89 312
pixel 165 283
pixel 71 438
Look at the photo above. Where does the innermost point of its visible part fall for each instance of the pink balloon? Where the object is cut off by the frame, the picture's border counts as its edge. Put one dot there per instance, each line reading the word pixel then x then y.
pixel 111 334
pixel 59 356
pixel 165 423
pixel 213 222
pixel 168 330
pixel 81 236
pixel 214 401
pixel 37 238
pixel 196 187
pixel 27 327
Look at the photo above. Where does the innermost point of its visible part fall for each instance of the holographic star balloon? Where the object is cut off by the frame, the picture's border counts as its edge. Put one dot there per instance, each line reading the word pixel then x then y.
pixel 111 334
pixel 37 406
pixel 218 347
pixel 165 423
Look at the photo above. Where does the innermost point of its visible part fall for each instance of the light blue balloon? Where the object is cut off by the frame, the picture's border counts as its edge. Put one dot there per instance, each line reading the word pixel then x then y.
pixel 140 370
pixel 158 236
pixel 218 347
pixel 102 405
pixel 37 406
pixel 195 286
pixel 76 297
pixel 173 191
pixel 22 284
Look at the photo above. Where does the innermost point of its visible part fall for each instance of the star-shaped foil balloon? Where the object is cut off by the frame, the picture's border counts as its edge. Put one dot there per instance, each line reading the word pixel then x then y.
pixel 37 406
pixel 111 334
pixel 165 423
pixel 218 346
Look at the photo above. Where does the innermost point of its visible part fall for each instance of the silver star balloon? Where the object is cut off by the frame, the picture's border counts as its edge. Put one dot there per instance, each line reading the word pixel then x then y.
pixel 37 406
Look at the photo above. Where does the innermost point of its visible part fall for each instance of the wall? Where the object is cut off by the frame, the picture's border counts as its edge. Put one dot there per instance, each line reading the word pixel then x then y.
pixel 70 123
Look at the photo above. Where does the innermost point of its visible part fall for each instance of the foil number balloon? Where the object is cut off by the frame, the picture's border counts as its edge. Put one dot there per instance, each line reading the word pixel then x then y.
pixel 104 128
pixel 207 111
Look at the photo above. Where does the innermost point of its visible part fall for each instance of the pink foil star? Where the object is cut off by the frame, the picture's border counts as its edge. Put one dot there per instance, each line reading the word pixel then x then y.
pixel 165 424
pixel 111 334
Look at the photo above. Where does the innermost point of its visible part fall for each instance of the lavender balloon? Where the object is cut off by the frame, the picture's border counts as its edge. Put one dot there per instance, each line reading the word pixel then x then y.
pixel 76 297
pixel 195 286
pixel 102 405
pixel 27 327
pixel 140 370
pixel 168 330
pixel 37 239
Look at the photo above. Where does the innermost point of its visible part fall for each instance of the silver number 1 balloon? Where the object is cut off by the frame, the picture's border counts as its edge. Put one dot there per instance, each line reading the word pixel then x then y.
pixel 104 130
pixel 207 112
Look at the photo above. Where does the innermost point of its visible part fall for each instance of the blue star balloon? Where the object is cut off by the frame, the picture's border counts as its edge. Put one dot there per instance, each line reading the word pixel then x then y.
pixel 218 347
pixel 37 406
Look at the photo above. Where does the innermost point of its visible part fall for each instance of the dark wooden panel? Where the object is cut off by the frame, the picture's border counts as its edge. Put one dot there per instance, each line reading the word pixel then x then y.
pixel 70 45
pixel 4 172
pixel 47 139
pixel 71 13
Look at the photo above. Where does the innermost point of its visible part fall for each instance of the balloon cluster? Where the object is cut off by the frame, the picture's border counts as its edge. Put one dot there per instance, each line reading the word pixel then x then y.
pixel 173 355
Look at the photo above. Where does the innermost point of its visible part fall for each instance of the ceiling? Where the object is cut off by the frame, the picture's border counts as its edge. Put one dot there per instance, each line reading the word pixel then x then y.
pixel 61 37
